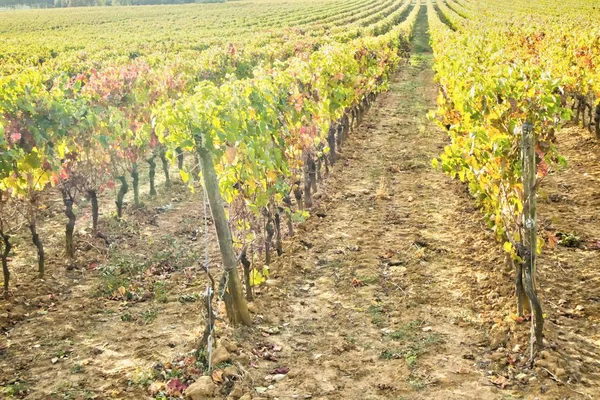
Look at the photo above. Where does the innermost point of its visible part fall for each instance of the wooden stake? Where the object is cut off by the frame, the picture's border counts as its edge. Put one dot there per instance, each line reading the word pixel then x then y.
pixel 529 236
pixel 240 313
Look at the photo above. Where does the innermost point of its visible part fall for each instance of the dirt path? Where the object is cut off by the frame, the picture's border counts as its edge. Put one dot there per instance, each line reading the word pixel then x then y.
pixel 393 289
pixel 370 301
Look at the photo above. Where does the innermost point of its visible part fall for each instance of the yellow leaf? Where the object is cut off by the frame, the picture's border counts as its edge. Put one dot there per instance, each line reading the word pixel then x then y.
pixel 185 177
pixel 62 149
pixel 256 278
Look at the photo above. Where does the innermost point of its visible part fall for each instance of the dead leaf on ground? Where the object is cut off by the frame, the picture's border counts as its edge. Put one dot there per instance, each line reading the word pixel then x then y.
pixel 500 381
pixel 217 376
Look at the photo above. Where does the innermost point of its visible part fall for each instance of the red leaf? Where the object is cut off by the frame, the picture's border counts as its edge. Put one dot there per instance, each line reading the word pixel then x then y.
pixel 280 370
pixel 176 387
pixel 15 137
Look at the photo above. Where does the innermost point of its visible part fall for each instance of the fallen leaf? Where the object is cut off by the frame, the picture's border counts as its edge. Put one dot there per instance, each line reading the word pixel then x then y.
pixel 552 241
pixel 156 387
pixel 217 376
pixel 500 381
pixel 175 387
pixel 280 370
pixel 357 283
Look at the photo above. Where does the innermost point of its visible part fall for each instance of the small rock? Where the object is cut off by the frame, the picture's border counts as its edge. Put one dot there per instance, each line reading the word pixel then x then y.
pixel 260 389
pixel 498 336
pixel 278 377
pixel 560 373
pixel 271 387
pixel 482 277
pixel 230 371
pixel 230 346
pixel 273 330
pixel 247 396
pixel 522 377
pixel 236 393
pixel 220 355
pixel 243 359
pixel 427 329
pixel 202 389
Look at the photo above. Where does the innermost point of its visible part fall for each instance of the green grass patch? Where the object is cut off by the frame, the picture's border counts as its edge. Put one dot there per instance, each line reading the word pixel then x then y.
pixel 414 344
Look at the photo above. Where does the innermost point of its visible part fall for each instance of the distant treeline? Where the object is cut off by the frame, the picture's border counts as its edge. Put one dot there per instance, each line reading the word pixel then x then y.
pixel 91 3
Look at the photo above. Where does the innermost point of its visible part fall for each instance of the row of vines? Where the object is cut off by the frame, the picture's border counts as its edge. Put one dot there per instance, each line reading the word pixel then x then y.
pixel 507 84
pixel 259 122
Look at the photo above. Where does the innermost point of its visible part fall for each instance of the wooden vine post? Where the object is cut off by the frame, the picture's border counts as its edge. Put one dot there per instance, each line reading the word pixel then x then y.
pixel 240 312
pixel 529 236
pixel 597 121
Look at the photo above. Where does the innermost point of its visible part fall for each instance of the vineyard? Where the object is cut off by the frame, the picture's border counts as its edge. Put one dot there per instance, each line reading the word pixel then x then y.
pixel 253 199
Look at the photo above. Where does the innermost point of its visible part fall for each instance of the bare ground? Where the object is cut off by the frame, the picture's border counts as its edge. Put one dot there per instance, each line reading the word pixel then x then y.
pixel 393 289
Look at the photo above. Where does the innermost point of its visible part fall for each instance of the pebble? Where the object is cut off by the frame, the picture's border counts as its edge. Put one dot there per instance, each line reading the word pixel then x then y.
pixel 220 355
pixel 236 393
pixel 201 389
pixel 243 359
pixel 522 377
pixel 560 373
pixel 230 371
